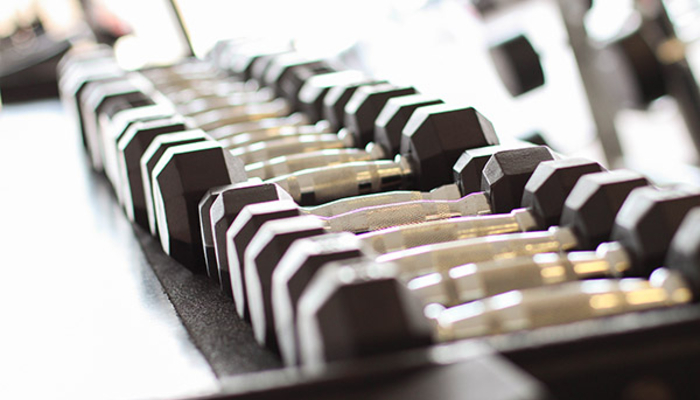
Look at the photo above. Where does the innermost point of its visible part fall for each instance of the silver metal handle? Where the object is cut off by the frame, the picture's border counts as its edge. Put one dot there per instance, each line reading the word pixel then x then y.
pixel 320 185
pixel 415 212
pixel 262 151
pixel 465 226
pixel 443 256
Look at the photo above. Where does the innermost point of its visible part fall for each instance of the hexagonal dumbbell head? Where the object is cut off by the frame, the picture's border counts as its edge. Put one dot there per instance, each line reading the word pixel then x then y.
pixel 288 72
pixel 357 310
pixel 647 222
pixel 107 97
pixel 434 138
pixel 684 251
pixel 314 90
pixel 261 257
pixel 518 65
pixel 593 203
pixel 242 62
pixel 150 159
pixel 506 174
pixel 468 168
pixel 337 98
pixel 364 107
pixel 130 149
pixel 114 130
pixel 204 208
pixel 75 82
pixel 294 272
pixel 393 117
pixel 551 183
pixel 226 207
pixel 239 235
pixel 181 177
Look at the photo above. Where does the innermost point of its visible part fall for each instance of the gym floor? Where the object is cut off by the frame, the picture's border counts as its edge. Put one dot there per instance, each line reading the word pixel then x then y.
pixel 83 315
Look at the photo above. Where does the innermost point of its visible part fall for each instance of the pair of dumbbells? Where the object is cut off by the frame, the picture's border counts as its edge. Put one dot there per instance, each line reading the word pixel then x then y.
pixel 544 197
pixel 585 223
pixel 341 296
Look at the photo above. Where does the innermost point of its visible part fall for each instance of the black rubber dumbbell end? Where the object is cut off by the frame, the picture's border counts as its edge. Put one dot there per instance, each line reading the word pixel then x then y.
pixel 435 137
pixel 291 277
pixel 551 183
pixel 648 221
pixel 181 177
pixel 506 173
pixel 684 252
pixel 594 202
pixel 358 309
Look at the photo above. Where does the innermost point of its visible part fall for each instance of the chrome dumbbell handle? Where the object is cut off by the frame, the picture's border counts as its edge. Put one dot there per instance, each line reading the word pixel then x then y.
pixel 321 185
pixel 479 280
pixel 415 212
pixel 462 227
pixel 560 304
pixel 348 204
pixel 443 256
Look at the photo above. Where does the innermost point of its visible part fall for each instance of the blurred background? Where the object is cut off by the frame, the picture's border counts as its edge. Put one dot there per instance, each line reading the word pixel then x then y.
pixel 613 80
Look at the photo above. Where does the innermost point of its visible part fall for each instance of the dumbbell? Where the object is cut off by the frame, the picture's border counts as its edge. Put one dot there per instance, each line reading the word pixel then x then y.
pixel 475 131
pixel 504 176
pixel 610 259
pixel 344 311
pixel 302 261
pixel 122 126
pixel 369 110
pixel 387 139
pixel 310 159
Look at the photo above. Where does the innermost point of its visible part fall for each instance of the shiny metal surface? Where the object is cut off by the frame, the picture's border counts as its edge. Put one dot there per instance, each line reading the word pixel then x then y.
pixel 84 316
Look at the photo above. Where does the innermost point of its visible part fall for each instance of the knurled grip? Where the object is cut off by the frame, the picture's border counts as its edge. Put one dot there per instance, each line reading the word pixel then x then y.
pixel 258 152
pixel 560 304
pixel 320 185
pixel 285 165
pixel 443 256
pixel 347 204
pixel 446 230
pixel 415 212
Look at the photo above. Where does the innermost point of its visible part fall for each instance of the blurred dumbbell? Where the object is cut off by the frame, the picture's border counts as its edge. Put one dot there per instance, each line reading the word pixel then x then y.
pixel 381 176
pixel 588 200
pixel 343 313
pixel 473 134
pixel 430 222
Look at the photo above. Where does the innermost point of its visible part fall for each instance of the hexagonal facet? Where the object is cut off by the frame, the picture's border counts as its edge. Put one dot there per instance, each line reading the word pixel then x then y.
pixel 251 218
pixel 365 105
pixel 336 99
pixel 684 252
pixel 204 209
pixel 291 82
pixel 347 313
pixel 594 202
pixel 150 159
pixel 181 177
pixel 435 137
pixel 225 209
pixel 518 64
pixel 261 258
pixel 549 186
pixel 394 116
pixel 506 173
pixel 314 90
pixel 469 167
pixel 131 148
pixel 647 222
pixel 304 258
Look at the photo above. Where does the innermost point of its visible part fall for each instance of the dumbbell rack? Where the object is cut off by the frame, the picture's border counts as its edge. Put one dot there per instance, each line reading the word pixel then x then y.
pixel 617 353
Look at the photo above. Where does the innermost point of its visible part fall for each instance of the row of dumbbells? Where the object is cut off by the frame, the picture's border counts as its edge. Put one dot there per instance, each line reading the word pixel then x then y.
pixel 323 256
